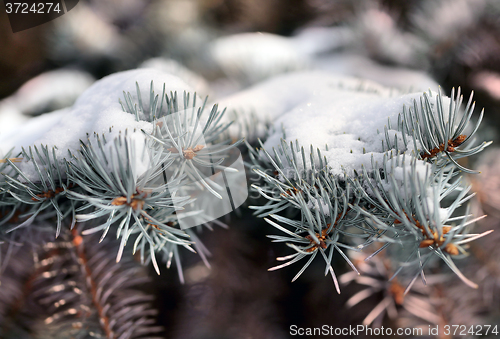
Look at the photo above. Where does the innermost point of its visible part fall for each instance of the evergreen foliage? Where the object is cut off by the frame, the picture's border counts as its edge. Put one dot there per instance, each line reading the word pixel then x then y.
pixel 412 205
pixel 413 200
pixel 105 181
pixel 71 287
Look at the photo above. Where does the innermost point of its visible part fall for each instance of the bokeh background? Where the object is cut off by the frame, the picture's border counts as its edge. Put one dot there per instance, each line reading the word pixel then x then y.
pixel 223 46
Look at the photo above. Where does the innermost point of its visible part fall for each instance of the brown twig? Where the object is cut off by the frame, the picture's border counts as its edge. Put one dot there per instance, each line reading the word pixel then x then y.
pixel 11 159
pixel 450 147
pixel 104 320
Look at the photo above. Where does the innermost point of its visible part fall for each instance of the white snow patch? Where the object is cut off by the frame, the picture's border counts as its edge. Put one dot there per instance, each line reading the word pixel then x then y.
pixel 97 110
pixel 30 132
pixel 350 64
pixel 319 40
pixel 279 95
pixel 54 89
pixel 198 83
pixel 347 114
pixel 10 117
pixel 252 57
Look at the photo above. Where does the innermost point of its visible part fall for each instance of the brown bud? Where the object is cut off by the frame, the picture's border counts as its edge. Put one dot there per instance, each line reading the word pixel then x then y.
pixel 451 249
pixel 189 153
pixel 137 204
pixel 458 140
pixel 426 243
pixel 119 201
pixel 198 148
pixel 446 229
pixel 322 244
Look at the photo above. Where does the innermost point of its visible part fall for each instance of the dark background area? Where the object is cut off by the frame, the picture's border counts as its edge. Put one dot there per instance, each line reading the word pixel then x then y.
pixel 238 297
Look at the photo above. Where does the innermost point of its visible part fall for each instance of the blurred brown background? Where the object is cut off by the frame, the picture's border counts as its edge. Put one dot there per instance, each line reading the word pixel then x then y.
pixel 458 45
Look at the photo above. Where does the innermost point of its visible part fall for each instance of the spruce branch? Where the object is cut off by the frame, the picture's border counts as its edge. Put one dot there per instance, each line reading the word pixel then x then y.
pixel 420 222
pixel 75 289
pixel 115 189
pixel 42 195
pixel 413 197
pixel 393 302
pixel 437 131
pixel 132 183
